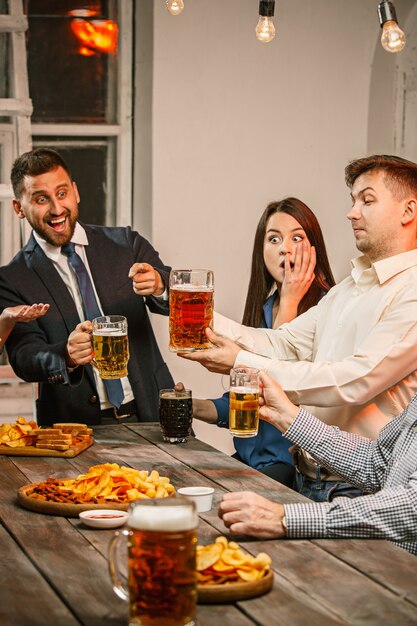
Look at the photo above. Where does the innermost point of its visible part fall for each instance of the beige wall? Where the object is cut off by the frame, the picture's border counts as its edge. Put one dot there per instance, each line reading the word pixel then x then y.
pixel 236 124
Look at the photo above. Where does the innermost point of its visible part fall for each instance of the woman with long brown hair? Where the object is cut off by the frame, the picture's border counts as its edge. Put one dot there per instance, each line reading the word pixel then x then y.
pixel 290 273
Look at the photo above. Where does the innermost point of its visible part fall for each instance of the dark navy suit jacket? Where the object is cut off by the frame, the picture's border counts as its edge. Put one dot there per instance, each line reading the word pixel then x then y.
pixel 36 350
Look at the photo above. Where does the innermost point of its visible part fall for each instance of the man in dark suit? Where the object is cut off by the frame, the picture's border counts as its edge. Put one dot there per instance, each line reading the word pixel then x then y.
pixel 125 273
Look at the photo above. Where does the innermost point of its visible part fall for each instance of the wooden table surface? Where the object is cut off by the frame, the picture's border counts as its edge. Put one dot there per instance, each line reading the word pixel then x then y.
pixel 54 570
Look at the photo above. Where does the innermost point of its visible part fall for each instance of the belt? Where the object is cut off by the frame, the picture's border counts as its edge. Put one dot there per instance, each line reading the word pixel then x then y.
pixel 125 410
pixel 306 465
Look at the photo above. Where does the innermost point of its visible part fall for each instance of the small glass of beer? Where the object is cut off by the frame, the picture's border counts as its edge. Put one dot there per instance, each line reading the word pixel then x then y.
pixel 191 302
pixel 244 402
pixel 161 546
pixel 175 414
pixel 110 346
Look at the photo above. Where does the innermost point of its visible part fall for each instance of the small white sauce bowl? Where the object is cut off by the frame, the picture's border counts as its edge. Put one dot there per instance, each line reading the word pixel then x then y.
pixel 104 518
pixel 201 496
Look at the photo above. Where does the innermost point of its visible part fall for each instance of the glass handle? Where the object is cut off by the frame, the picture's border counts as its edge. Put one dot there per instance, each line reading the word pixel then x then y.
pixel 114 568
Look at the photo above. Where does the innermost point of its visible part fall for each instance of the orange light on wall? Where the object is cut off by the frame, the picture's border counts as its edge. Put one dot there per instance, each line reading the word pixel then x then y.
pixel 95 35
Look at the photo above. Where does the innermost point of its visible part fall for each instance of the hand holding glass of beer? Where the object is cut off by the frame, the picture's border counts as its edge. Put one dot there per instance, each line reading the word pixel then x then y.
pixel 244 402
pixel 110 346
pixel 191 302
pixel 161 551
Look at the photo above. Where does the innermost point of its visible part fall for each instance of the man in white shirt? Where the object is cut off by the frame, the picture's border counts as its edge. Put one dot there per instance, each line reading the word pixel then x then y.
pixel 351 360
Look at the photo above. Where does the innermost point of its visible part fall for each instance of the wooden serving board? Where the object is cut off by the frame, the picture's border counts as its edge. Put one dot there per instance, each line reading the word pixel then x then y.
pixel 73 450
pixel 65 509
pixel 218 594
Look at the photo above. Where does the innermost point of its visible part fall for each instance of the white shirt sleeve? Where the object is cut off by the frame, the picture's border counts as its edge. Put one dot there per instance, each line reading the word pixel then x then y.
pixel 385 356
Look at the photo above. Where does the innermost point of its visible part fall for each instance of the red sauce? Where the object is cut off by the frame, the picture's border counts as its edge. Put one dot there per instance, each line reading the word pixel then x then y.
pixel 104 516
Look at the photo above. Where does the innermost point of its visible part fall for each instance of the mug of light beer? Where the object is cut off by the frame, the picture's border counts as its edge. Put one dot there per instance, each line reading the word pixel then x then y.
pixel 191 301
pixel 161 575
pixel 244 402
pixel 110 346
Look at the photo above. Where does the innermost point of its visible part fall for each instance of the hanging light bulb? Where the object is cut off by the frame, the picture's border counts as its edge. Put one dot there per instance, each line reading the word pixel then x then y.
pixel 392 37
pixel 265 29
pixel 174 6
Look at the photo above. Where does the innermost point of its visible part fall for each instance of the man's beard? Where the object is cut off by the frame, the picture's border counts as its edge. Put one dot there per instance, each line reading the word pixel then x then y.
pixel 55 239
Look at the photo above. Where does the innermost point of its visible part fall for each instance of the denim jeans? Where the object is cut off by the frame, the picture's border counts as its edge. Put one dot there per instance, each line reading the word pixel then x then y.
pixel 280 471
pixel 321 490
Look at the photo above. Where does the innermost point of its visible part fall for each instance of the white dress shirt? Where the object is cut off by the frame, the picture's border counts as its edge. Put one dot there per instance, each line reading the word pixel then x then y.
pixel 351 360
pixel 63 268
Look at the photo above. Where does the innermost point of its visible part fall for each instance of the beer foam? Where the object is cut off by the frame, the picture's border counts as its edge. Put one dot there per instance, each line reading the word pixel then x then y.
pixel 109 332
pixel 175 395
pixel 244 389
pixel 163 518
pixel 188 287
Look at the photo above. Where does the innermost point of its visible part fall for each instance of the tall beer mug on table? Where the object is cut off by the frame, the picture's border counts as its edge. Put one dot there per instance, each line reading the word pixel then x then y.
pixel 191 302
pixel 110 346
pixel 244 402
pixel 161 573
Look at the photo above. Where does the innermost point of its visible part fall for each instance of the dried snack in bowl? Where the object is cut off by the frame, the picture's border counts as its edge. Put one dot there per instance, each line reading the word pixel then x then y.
pixel 105 483
pixel 225 562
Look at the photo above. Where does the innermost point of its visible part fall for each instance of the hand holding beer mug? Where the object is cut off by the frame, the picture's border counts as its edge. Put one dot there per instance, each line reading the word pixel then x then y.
pixel 244 402
pixel 110 346
pixel 191 305
pixel 162 541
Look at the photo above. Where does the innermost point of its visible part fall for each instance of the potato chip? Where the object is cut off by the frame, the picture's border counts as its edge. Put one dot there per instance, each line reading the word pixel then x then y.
pixel 222 567
pixel 208 556
pixel 13 444
pixel 249 574
pixel 222 540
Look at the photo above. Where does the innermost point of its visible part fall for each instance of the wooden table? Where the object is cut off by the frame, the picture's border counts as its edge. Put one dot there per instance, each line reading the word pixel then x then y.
pixel 54 569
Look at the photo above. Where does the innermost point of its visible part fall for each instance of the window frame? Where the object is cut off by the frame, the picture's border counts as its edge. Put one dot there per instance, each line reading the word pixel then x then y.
pixel 120 132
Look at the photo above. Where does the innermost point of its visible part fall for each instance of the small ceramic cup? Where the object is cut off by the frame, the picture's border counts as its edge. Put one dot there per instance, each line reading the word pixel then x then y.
pixel 104 518
pixel 201 496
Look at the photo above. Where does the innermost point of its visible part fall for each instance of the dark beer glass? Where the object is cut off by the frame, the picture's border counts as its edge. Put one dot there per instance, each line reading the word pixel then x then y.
pixel 175 414
pixel 162 540
pixel 191 303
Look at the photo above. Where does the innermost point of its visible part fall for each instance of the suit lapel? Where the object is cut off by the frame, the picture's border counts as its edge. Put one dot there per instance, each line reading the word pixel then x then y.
pixel 44 268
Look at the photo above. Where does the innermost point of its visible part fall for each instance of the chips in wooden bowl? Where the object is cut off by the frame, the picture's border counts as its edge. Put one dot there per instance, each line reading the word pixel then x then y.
pixel 226 573
pixel 103 484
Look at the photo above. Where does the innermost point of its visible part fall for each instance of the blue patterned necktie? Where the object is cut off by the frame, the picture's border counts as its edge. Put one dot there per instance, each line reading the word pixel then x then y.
pixel 91 309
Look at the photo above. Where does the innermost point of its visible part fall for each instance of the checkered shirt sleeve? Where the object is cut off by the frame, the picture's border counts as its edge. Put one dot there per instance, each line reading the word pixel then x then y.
pixel 386 467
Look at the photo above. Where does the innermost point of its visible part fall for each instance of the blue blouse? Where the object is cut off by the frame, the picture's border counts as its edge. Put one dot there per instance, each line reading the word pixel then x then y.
pixel 269 446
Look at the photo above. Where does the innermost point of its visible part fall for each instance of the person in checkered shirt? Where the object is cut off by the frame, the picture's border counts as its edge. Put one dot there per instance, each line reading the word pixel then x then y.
pixel 385 468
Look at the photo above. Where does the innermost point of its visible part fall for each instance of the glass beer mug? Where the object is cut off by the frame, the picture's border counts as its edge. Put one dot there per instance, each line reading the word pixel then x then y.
pixel 161 551
pixel 175 414
pixel 191 302
pixel 244 402
pixel 110 346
